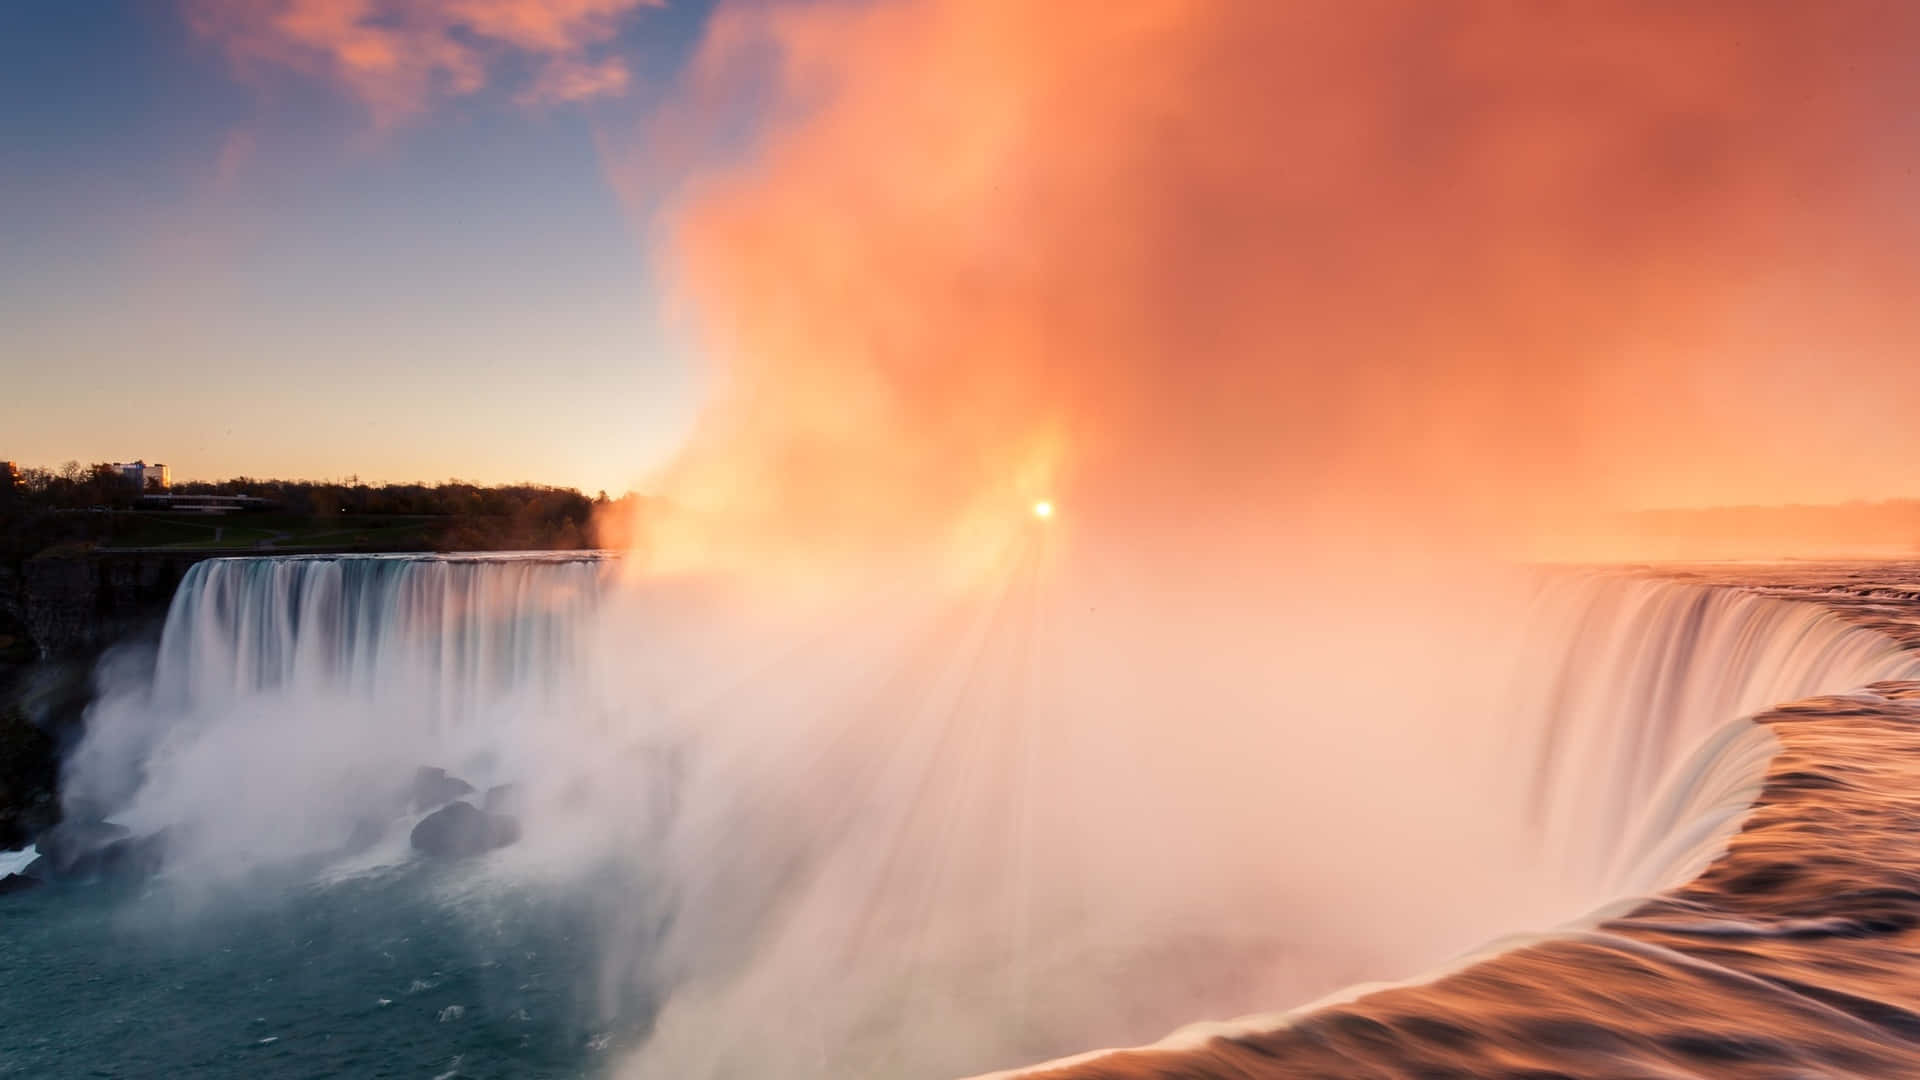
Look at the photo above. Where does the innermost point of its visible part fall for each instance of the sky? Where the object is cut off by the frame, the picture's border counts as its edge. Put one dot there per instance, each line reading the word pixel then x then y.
pixel 240 264
pixel 833 266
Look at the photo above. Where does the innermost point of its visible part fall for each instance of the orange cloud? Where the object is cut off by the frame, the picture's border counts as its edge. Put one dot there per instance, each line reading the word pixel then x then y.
pixel 398 56
pixel 1336 268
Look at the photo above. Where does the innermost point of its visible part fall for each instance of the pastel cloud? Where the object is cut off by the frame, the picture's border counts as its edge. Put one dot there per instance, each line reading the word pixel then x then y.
pixel 1384 263
pixel 398 56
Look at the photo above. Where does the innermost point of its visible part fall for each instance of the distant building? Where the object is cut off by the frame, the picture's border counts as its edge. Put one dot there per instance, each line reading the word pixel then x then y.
pixel 142 475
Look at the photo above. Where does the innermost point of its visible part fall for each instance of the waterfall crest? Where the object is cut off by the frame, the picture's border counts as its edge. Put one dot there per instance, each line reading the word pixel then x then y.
pixel 460 630
pixel 1634 691
pixel 1635 672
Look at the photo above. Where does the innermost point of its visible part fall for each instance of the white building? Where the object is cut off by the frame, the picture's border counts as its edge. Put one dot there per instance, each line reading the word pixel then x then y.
pixel 142 475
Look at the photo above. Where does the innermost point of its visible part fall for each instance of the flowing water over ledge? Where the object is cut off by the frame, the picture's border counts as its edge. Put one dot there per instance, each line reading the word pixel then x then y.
pixel 288 692
pixel 1794 954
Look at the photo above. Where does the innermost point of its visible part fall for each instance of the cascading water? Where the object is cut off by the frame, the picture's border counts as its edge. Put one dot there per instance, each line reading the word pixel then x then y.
pixel 462 631
pixel 289 693
pixel 1636 671
pixel 1642 769
pixel 1000 831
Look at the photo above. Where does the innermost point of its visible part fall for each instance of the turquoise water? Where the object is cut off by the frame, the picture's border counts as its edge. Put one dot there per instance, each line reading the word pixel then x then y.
pixel 411 972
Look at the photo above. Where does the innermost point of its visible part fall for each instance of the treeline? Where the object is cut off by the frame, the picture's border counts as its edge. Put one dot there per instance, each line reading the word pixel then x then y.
pixel 37 508
pixel 45 507
pixel 453 499
pixel 502 518
pixel 71 487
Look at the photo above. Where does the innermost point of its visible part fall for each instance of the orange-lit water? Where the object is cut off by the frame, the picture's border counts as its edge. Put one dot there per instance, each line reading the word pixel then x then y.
pixel 1794 955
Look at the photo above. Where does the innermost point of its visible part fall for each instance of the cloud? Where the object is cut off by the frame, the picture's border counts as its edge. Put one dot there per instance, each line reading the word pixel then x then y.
pixel 398 56
pixel 563 81
pixel 1351 267
pixel 237 148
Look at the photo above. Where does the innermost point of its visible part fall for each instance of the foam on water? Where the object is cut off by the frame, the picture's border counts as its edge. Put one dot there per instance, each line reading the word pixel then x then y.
pixel 12 862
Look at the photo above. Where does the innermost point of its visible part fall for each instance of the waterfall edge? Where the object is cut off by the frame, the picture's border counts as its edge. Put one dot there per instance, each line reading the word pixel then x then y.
pixel 1812 937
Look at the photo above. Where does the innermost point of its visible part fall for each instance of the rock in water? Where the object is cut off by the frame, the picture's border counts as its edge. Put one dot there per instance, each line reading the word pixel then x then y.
pixel 14 883
pixel 134 857
pixel 70 843
pixel 29 779
pixel 128 858
pixel 433 787
pixel 461 828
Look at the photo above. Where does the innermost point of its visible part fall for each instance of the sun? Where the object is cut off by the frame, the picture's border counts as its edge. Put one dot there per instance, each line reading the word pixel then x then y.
pixel 1043 509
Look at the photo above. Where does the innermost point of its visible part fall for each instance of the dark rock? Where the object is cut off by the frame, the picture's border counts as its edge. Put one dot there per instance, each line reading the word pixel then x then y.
pixel 66 844
pixel 75 600
pixel 135 856
pixel 433 787
pixel 38 868
pixel 130 857
pixel 29 778
pixel 14 883
pixel 499 798
pixel 460 829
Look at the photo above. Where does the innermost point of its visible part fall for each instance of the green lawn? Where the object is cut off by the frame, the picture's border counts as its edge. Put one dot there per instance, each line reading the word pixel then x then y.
pixel 268 532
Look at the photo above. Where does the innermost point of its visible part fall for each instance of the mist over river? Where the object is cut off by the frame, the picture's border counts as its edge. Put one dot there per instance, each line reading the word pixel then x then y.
pixel 948 833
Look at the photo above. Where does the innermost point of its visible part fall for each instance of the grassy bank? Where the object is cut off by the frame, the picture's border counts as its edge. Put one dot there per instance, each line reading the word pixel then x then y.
pixel 271 531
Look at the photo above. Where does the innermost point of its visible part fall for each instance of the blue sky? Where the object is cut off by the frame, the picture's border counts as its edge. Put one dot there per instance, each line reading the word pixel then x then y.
pixel 238 268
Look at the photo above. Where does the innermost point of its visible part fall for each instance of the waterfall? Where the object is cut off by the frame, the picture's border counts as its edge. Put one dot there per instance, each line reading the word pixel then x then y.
pixel 1054 791
pixel 446 633
pixel 291 694
pixel 1630 696
pixel 1634 671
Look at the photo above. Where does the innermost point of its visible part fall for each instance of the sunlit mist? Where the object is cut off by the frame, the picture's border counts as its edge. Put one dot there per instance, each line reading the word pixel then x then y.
pixel 1127 522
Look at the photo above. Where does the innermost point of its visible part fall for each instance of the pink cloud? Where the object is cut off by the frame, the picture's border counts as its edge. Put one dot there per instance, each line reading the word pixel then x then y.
pixel 398 56
pixel 567 80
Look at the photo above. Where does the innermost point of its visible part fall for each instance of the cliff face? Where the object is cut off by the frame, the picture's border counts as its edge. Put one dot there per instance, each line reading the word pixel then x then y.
pixel 80 603
pixel 29 779
pixel 57 612
pixel 58 598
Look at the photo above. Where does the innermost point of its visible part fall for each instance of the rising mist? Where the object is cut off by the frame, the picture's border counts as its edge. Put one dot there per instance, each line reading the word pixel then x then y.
pixel 1307 319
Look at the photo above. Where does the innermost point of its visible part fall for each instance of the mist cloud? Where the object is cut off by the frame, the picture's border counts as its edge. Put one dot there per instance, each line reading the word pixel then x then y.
pixel 1356 268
